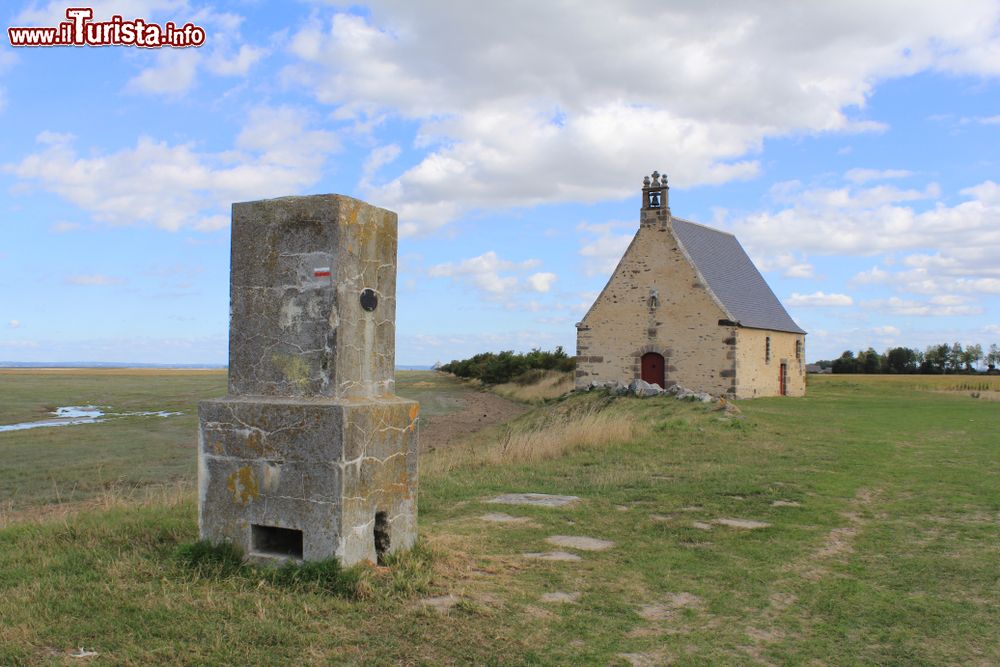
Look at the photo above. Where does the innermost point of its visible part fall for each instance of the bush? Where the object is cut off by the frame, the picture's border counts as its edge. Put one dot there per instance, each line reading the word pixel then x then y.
pixel 506 366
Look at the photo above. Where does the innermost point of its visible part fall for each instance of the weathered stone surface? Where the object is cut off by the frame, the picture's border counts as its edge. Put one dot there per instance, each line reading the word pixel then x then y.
pixel 553 555
pixel 311 455
pixel 744 524
pixel 297 326
pixel 536 499
pixel 643 389
pixel 323 467
pixel 579 542
pixel 500 517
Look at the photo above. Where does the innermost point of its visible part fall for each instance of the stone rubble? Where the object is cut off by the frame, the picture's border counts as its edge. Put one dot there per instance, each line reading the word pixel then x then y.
pixel 643 389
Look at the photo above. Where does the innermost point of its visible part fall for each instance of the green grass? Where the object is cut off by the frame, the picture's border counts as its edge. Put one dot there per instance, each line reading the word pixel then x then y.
pixel 888 558
pixel 68 464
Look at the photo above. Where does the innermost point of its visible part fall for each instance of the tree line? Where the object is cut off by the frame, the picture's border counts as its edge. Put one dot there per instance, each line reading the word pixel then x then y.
pixel 501 367
pixel 936 359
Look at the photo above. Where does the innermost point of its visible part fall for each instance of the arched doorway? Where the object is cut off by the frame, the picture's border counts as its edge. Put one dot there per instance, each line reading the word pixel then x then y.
pixel 653 369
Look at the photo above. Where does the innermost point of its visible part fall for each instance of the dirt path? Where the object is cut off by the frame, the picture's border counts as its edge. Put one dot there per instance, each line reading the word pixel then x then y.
pixel 478 410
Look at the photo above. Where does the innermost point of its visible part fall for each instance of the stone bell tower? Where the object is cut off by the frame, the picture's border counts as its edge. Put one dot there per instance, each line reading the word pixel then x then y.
pixel 310 455
pixel 655 200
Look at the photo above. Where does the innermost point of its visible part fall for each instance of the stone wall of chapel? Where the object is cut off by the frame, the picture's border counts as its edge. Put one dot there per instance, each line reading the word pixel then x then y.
pixel 682 325
pixel 757 375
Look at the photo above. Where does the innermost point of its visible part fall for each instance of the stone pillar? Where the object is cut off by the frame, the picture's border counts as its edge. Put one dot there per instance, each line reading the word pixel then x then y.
pixel 310 455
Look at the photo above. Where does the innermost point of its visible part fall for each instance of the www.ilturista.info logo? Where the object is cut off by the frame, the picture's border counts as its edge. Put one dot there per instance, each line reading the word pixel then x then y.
pixel 80 30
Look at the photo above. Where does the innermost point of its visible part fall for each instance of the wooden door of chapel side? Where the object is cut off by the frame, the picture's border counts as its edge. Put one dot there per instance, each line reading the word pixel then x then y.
pixel 653 369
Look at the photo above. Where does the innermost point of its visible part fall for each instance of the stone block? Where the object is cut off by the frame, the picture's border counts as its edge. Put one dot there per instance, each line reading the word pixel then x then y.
pixel 324 467
pixel 298 327
pixel 310 456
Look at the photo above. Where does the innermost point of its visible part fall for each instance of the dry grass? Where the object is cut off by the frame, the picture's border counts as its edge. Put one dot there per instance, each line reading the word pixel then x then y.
pixel 564 431
pixel 550 441
pixel 552 385
pixel 115 496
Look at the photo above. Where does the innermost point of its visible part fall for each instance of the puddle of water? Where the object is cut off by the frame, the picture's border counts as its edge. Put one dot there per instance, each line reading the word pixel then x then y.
pixel 82 414
pixel 79 411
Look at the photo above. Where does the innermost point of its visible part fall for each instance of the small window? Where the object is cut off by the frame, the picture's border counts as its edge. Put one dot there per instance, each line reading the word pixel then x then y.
pixel 275 541
pixel 767 350
pixel 798 349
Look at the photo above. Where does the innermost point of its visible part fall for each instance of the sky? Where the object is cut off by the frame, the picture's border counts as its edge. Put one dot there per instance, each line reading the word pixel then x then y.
pixel 852 147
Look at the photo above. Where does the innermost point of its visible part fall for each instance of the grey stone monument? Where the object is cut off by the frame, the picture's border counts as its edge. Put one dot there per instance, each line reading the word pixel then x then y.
pixel 310 455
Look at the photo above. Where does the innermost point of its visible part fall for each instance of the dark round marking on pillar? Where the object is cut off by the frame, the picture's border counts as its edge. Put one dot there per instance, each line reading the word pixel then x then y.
pixel 369 299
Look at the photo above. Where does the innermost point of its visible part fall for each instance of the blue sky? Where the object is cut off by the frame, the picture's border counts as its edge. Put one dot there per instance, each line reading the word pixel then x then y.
pixel 852 147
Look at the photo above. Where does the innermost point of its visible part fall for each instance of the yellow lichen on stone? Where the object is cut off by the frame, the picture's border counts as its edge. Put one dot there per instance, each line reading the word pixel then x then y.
pixel 294 368
pixel 243 485
pixel 414 411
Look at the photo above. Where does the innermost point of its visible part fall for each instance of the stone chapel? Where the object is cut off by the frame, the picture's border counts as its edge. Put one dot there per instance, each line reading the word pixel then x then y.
pixel 686 306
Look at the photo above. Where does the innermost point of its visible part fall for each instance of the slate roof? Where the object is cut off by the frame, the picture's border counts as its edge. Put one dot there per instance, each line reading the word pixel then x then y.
pixel 733 278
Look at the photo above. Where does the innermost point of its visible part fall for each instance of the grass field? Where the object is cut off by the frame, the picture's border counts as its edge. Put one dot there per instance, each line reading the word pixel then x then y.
pixel 881 498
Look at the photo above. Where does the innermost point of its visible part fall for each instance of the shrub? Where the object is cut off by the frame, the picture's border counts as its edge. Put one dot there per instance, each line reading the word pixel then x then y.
pixel 502 367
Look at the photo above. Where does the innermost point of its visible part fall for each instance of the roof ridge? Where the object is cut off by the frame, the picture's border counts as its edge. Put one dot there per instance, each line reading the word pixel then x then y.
pixel 703 226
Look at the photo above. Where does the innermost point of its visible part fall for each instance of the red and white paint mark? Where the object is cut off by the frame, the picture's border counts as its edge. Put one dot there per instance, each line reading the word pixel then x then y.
pixel 322 272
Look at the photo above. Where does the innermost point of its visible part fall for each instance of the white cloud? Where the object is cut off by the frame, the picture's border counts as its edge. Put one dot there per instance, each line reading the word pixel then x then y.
pixel 882 220
pixel 789 265
pixel 819 299
pixel 172 75
pixel 541 282
pixel 888 331
pixel 601 254
pixel 992 329
pixel 862 176
pixel 485 272
pixel 873 275
pixel 175 71
pixel 946 305
pixel 93 280
pixel 176 186
pixel 528 114
pixel 238 64
pixel 14 324
pixel 378 158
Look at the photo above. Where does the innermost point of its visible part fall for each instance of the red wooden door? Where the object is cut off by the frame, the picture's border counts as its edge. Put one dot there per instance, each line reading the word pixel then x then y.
pixel 653 369
pixel 781 379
